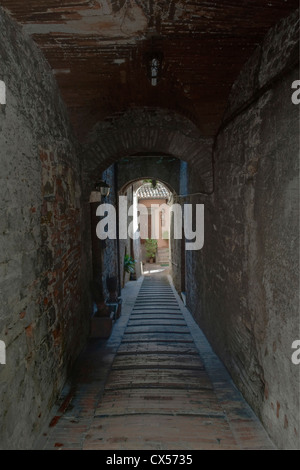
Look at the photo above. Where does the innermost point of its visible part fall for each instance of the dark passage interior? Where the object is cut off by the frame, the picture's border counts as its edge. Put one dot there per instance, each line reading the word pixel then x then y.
pixel 98 97
pixel 156 391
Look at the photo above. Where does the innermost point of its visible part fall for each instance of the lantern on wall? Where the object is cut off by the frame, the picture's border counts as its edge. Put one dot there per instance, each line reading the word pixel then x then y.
pixel 102 190
pixel 154 61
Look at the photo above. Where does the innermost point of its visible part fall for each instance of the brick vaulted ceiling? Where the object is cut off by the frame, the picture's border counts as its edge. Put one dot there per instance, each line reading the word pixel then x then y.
pixel 96 49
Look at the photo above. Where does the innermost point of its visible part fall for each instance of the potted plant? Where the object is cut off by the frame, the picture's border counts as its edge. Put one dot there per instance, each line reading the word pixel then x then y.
pixel 151 249
pixel 129 268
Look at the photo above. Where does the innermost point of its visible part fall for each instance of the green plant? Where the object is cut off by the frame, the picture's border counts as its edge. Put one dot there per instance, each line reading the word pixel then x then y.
pixel 129 263
pixel 152 181
pixel 151 247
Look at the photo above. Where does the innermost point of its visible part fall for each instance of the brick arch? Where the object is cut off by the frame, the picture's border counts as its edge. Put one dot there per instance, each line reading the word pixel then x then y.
pixel 149 131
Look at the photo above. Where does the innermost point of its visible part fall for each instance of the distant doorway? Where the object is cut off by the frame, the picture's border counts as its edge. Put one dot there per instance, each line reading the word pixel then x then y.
pixel 155 197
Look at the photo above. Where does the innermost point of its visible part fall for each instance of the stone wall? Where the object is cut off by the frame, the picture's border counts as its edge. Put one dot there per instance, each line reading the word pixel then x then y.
pixel 109 247
pixel 126 245
pixel 42 284
pixel 243 286
pixel 150 131
pixel 178 261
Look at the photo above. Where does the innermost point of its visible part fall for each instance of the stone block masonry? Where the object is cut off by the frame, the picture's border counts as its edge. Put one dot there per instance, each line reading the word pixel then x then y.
pixel 42 288
pixel 243 287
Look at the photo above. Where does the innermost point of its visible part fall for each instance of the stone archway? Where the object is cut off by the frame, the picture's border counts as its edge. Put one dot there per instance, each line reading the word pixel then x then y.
pixel 149 131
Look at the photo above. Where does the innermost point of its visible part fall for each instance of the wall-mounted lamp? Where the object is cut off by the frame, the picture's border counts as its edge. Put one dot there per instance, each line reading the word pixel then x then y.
pixel 154 60
pixel 101 190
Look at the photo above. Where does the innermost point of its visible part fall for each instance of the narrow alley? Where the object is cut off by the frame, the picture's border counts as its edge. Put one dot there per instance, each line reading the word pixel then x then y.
pixel 163 387
pixel 149 224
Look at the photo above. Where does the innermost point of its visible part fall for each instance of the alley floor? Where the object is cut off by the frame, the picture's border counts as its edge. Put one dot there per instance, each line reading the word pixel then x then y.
pixel 154 384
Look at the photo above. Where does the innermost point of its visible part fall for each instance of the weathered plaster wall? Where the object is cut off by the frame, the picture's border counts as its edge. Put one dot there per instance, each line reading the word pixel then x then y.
pixel 42 288
pixel 243 286
pixel 112 251
pixel 178 258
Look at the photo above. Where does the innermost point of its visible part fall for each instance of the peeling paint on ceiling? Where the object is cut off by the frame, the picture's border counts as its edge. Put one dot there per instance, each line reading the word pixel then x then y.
pixel 103 20
pixel 97 51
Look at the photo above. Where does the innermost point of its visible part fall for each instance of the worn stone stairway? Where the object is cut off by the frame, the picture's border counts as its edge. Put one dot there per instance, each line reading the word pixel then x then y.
pixel 157 393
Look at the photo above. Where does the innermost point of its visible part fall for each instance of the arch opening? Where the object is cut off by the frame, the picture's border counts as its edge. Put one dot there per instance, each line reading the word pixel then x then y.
pixel 146 133
pixel 110 257
pixel 152 201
